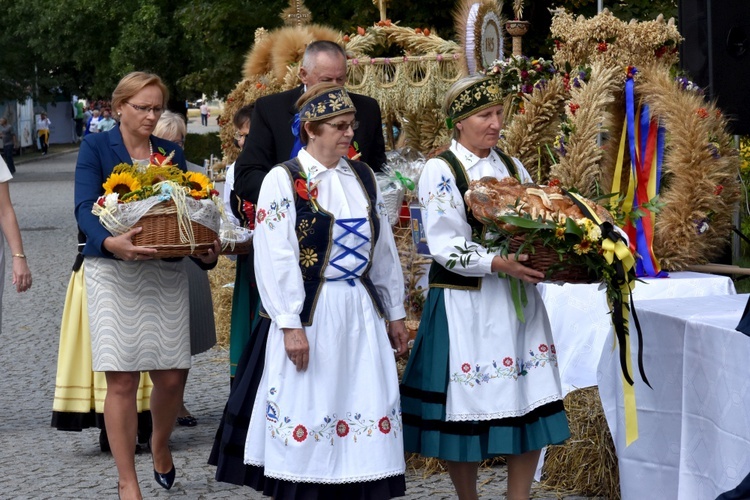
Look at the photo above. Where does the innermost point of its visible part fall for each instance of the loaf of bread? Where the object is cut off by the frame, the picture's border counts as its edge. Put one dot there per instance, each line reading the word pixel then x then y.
pixel 489 198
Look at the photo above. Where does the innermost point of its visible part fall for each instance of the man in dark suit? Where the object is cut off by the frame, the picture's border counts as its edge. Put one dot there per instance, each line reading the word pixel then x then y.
pixel 271 141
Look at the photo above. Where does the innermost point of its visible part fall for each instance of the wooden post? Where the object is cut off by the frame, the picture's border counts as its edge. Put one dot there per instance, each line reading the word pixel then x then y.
pixel 381 5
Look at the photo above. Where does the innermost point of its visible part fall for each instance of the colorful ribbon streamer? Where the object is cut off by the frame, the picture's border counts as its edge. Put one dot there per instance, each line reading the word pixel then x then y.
pixel 616 252
pixel 645 139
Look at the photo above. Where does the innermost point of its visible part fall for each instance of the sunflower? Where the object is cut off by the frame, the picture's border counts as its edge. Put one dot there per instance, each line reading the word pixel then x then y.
pixel 198 184
pixel 121 183
pixel 154 175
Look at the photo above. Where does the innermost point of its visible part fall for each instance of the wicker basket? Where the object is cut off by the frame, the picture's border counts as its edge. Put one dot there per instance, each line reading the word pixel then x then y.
pixel 547 261
pixel 160 231
pixel 238 248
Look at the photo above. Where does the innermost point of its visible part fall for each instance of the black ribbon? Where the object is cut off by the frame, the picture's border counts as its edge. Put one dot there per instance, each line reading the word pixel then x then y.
pixel 621 278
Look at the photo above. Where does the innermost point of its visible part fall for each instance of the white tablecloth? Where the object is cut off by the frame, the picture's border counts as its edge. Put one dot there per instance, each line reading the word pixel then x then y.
pixel 581 324
pixel 694 426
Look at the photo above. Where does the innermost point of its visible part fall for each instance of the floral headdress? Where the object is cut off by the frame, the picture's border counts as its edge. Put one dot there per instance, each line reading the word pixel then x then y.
pixel 332 103
pixel 476 97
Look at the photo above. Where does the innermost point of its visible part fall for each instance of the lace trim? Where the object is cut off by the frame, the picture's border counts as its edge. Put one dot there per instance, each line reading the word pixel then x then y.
pixel 326 480
pixel 463 417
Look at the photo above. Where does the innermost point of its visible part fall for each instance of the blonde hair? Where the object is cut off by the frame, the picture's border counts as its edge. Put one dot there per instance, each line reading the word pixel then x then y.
pixel 314 91
pixel 134 82
pixel 454 91
pixel 171 126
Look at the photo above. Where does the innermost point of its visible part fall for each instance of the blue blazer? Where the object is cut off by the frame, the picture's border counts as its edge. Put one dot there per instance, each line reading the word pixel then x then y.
pixel 98 156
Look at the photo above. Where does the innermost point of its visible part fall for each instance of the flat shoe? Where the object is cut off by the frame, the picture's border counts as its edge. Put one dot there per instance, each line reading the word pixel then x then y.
pixel 187 421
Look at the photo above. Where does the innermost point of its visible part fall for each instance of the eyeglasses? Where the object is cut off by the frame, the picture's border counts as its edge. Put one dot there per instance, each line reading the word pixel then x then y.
pixel 342 126
pixel 146 109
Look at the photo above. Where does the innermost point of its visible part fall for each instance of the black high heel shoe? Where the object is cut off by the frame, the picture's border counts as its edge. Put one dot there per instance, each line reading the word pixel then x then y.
pixel 165 480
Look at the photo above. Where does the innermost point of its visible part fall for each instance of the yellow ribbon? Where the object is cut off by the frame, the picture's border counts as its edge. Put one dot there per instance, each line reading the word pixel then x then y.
pixel 620 250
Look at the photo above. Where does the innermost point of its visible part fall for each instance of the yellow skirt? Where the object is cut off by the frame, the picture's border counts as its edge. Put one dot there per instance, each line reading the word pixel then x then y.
pixel 79 390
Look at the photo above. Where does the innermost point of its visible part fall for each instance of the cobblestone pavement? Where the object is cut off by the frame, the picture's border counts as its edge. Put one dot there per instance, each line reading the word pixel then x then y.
pixel 37 461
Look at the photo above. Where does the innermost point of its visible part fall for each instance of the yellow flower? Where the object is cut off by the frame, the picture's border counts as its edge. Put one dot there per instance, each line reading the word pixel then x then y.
pixel 307 257
pixel 198 184
pixel 583 247
pixel 560 233
pixel 121 183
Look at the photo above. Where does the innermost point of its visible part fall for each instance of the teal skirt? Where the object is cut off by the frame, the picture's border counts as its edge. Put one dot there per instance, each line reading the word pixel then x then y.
pixel 424 390
pixel 245 308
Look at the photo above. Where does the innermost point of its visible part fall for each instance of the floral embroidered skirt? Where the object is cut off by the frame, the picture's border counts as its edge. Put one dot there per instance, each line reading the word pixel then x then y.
pixel 523 425
pixel 337 425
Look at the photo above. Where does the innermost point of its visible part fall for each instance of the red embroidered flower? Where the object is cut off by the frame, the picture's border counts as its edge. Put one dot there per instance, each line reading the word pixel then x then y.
pixel 552 348
pixel 299 433
pixel 300 185
pixel 384 425
pixel 342 428
pixel 507 362
pixel 543 348
pixel 466 367
pixel 261 215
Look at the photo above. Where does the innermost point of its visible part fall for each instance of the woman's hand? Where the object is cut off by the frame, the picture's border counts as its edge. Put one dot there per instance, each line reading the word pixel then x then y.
pixel 399 336
pixel 297 348
pixel 509 264
pixel 21 274
pixel 122 247
pixel 211 254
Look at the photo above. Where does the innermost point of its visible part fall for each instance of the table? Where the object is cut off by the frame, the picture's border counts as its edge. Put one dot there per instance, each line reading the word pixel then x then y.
pixel 581 324
pixel 694 426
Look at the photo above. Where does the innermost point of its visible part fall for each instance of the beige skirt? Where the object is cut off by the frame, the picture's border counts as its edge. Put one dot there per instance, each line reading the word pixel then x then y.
pixel 139 315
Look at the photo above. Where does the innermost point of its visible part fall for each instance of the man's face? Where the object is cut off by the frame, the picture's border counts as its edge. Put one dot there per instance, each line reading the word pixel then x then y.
pixel 327 68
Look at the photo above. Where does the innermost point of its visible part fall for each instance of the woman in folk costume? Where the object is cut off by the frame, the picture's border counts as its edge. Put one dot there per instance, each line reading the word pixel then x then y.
pixel 479 382
pixel 326 419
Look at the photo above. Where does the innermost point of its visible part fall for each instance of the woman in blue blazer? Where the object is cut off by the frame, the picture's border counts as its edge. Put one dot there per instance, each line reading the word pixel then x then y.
pixel 137 305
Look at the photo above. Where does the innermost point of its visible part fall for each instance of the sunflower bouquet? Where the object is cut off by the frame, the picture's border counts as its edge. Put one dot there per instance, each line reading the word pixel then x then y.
pixel 180 212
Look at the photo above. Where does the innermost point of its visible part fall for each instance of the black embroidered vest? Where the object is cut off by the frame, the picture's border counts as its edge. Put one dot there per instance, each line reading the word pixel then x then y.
pixel 439 276
pixel 314 230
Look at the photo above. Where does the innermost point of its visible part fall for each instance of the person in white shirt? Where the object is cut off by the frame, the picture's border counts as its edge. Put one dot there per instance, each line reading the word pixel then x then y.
pixel 42 128
pixel 204 114
pixel 93 124
pixel 326 421
pixel 479 383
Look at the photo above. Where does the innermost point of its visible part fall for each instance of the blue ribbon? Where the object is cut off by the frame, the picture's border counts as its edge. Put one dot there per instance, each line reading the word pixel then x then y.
pixel 296 125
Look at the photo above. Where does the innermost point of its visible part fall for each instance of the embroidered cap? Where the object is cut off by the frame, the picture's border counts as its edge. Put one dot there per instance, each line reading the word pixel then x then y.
pixel 478 96
pixel 333 102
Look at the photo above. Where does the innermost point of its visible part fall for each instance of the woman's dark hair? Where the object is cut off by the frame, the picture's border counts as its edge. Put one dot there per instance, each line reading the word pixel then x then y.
pixel 242 116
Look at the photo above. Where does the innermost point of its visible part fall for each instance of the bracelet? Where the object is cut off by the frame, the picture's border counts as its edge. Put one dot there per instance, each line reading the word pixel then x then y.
pixel 19 255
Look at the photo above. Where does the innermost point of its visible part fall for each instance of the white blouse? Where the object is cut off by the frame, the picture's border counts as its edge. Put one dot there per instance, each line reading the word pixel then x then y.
pixel 277 251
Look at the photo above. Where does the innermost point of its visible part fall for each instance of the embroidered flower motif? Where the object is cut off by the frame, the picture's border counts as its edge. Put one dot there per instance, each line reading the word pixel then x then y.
pixel 466 367
pixel 272 412
pixel 261 215
pixel 342 428
pixel 307 257
pixel 543 348
pixel 445 185
pixel 384 425
pixel 300 433
pixel 507 361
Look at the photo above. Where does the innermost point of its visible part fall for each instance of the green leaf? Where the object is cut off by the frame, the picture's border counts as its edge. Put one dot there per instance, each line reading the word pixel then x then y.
pixel 525 223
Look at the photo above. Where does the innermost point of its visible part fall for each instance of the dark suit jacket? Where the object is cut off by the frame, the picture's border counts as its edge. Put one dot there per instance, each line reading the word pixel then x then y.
pixel 270 141
pixel 98 156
